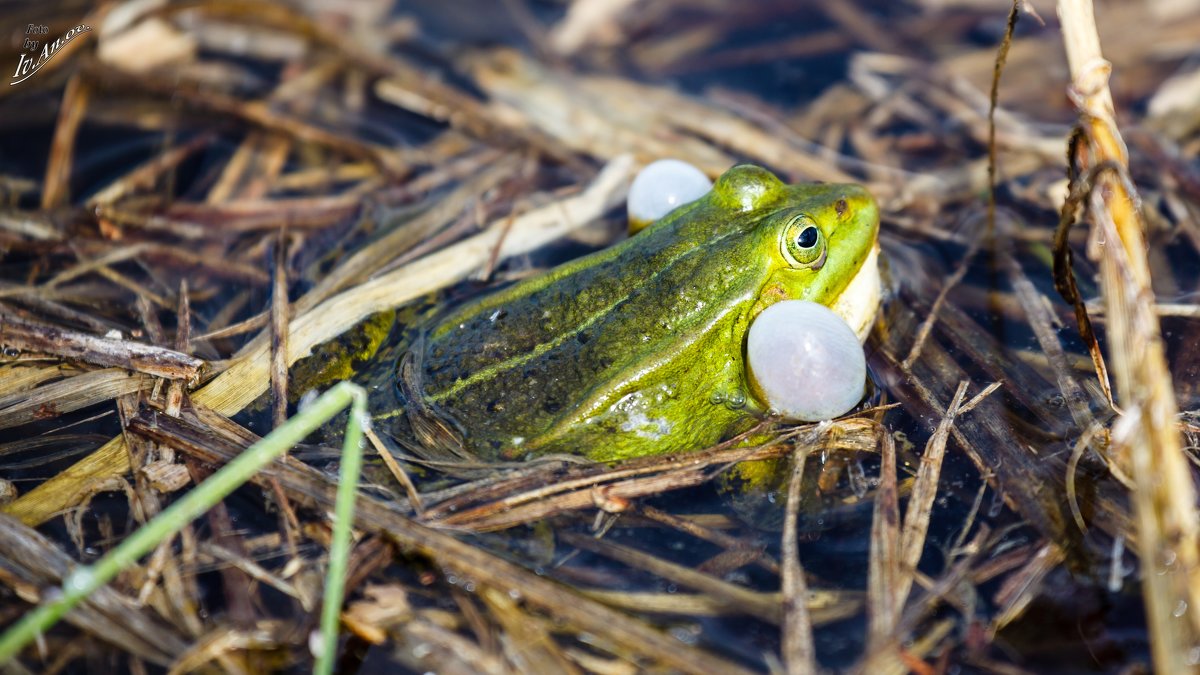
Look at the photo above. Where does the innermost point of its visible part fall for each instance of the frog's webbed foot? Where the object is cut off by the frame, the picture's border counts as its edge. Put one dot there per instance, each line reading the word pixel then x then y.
pixel 437 438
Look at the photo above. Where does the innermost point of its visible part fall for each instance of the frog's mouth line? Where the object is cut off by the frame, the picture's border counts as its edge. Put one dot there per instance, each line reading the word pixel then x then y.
pixel 859 301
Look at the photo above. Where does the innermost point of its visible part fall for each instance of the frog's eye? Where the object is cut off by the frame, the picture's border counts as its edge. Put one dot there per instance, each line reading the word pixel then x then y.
pixel 803 244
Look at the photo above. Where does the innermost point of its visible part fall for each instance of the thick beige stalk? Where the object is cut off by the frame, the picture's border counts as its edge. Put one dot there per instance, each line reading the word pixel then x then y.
pixel 1145 438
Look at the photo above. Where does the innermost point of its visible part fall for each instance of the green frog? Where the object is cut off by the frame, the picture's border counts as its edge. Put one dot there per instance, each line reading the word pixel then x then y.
pixel 638 349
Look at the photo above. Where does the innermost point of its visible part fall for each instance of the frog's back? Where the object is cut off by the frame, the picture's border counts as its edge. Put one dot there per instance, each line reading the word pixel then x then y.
pixel 525 361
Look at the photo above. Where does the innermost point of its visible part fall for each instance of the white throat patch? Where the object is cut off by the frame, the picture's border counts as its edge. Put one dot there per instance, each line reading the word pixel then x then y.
pixel 860 299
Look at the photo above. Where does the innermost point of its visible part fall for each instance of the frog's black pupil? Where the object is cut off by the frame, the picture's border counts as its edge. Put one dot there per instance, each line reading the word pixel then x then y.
pixel 807 238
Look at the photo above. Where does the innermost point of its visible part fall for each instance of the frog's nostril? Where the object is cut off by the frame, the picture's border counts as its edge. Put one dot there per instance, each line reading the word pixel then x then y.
pixel 840 207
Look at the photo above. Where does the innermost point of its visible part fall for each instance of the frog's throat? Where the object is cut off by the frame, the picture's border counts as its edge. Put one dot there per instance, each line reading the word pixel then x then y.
pixel 859 301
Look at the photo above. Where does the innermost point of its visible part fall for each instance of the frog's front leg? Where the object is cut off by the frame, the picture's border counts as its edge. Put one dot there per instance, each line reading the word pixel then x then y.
pixel 757 489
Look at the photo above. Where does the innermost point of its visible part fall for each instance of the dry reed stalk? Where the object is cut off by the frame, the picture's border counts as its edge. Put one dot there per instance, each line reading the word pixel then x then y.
pixel 711 535
pixel 824 606
pixel 144 176
pixel 606 116
pixel 389 161
pixel 70 394
pixel 1145 437
pixel 526 642
pixel 1020 588
pixel 376 258
pixel 20 377
pixel 28 226
pixel 280 313
pixel 589 22
pixel 916 517
pixel 529 495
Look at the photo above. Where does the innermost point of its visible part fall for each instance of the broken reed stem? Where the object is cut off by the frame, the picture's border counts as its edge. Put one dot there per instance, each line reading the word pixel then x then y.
pixel 764 606
pixel 313 488
pixel 896 548
pixel 145 175
pixel 24 336
pixel 1145 438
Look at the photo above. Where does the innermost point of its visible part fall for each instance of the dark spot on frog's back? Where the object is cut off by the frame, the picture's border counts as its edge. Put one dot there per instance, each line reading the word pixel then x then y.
pixel 840 207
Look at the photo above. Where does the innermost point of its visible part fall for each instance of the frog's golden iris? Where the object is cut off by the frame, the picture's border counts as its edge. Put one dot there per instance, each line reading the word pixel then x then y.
pixel 639 349
pixel 802 243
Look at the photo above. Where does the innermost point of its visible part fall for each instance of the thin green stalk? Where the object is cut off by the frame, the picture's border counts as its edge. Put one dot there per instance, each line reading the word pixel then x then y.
pixel 83 581
pixel 339 547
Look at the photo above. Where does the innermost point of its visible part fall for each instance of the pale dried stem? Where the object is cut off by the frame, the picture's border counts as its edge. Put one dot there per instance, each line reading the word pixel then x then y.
pixel 1145 438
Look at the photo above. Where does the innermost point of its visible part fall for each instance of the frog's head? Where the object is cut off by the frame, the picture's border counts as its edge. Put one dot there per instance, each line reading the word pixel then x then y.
pixel 816 241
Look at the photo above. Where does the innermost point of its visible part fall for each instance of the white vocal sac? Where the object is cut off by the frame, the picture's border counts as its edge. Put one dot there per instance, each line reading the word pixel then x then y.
pixel 661 187
pixel 805 361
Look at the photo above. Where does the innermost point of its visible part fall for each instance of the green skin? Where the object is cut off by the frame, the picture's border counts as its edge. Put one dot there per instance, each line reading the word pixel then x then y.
pixel 638 349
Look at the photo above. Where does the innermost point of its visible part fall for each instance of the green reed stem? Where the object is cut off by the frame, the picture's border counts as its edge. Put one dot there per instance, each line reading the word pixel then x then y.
pixel 83 581
pixel 343 520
